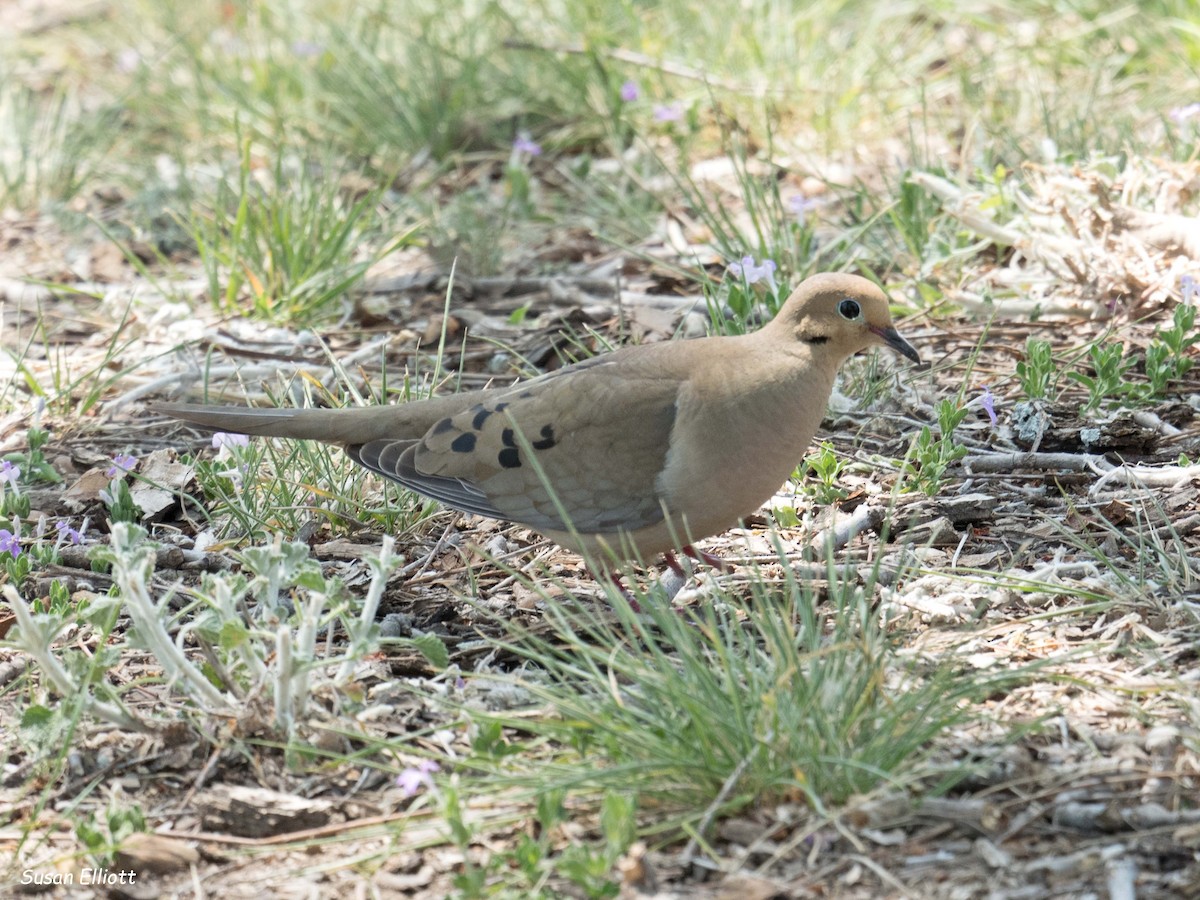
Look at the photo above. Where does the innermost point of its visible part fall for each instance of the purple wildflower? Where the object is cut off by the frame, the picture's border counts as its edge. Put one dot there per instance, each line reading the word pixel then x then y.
pixel 307 49
pixel 9 473
pixel 801 206
pixel 128 61
pixel 122 463
pixel 413 779
pixel 751 272
pixel 987 402
pixel 525 144
pixel 67 533
pixel 1187 288
pixel 668 112
pixel 223 439
pixel 1181 114
pixel 10 543
pixel 630 91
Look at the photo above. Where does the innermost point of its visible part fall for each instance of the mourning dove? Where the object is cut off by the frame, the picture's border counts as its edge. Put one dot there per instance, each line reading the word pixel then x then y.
pixel 629 454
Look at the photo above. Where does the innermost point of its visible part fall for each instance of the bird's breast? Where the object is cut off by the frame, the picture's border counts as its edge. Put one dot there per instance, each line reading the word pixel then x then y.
pixel 729 456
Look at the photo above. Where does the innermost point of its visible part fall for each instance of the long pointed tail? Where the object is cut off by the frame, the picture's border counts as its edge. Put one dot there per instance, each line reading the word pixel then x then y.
pixel 353 425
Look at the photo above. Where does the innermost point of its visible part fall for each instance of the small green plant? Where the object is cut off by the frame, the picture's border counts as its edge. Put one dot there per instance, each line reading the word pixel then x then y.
pixel 591 868
pixel 38 554
pixel 34 468
pixel 932 454
pixel 58 598
pixel 746 284
pixel 1036 372
pixel 535 858
pixel 518 315
pixel 14 503
pixel 21 556
pixel 1166 355
pixel 102 839
pixel 117 497
pixel 14 506
pixel 819 475
pixel 275 646
pixel 15 561
pixel 1166 361
pixel 1108 382
pixel 520 187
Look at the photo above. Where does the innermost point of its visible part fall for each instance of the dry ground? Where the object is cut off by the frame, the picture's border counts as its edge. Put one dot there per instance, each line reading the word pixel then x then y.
pixel 1055 558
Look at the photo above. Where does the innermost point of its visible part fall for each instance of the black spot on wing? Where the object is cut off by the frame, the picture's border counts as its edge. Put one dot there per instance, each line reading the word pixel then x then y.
pixel 464 443
pixel 507 438
pixel 442 426
pixel 548 439
pixel 395 460
pixel 482 414
pixel 509 458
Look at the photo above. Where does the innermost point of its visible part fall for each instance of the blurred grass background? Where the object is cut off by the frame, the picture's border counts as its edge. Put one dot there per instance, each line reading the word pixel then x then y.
pixel 150 117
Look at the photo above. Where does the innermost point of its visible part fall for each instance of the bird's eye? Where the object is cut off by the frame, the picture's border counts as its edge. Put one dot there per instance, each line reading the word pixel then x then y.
pixel 849 309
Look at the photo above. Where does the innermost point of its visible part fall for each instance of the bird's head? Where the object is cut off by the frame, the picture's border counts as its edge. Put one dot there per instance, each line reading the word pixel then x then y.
pixel 842 314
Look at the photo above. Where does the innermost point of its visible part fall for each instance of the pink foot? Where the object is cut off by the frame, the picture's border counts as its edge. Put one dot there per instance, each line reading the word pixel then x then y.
pixel 673 563
pixel 614 579
pixel 707 558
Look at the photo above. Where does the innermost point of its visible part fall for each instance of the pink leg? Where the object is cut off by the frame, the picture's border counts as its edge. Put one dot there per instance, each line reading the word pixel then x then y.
pixel 614 579
pixel 673 563
pixel 707 558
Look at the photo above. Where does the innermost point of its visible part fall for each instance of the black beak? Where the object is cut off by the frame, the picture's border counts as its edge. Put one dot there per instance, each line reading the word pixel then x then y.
pixel 891 337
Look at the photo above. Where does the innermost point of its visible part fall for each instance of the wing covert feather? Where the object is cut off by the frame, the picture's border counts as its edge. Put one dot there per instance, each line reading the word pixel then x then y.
pixel 596 444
